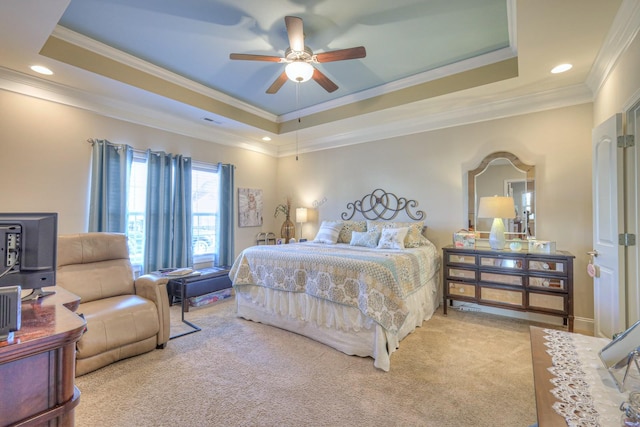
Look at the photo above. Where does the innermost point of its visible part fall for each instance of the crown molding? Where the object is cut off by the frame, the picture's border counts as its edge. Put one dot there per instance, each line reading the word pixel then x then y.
pixel 420 122
pixel 417 123
pixel 50 91
pixel 622 32
pixel 427 76
pixel 109 52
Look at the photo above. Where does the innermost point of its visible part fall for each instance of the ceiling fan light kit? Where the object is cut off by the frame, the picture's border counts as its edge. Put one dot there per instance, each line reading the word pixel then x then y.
pixel 299 71
pixel 299 59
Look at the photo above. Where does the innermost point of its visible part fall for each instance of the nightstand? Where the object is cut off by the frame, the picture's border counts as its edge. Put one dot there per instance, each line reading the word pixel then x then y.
pixel 524 281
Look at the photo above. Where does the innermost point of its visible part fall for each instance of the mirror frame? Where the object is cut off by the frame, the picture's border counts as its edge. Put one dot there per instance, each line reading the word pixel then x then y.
pixel 530 171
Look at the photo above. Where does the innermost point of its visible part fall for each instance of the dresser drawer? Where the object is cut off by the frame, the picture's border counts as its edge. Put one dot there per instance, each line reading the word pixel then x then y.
pixel 555 266
pixel 506 279
pixel 502 262
pixel 556 283
pixel 461 273
pixel 462 289
pixel 547 301
pixel 502 296
pixel 461 259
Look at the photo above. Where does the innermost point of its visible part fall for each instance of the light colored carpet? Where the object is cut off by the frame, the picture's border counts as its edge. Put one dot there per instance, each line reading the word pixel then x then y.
pixel 465 369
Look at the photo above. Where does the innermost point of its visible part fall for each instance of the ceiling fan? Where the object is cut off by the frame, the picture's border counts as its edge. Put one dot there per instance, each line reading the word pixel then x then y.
pixel 299 59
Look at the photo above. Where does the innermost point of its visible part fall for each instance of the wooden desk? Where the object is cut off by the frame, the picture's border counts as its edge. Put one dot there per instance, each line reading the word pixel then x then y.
pixel 37 368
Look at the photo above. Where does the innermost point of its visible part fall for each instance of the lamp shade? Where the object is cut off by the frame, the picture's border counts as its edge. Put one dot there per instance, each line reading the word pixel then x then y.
pixel 299 71
pixel 496 207
pixel 301 214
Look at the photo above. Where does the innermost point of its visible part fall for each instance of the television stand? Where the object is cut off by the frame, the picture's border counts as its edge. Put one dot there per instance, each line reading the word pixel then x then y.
pixel 36 294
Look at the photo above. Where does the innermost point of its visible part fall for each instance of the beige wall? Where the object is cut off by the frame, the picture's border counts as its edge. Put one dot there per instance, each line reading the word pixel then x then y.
pixel 431 168
pixel 45 159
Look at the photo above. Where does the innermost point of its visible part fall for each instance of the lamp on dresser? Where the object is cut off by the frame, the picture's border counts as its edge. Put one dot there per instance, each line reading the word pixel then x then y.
pixel 497 207
pixel 301 217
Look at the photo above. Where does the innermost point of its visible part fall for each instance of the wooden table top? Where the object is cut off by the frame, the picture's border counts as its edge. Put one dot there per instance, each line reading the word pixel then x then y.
pixel 46 323
pixel 547 416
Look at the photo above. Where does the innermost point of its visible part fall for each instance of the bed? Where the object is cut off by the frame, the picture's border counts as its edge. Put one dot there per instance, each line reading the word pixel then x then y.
pixel 347 289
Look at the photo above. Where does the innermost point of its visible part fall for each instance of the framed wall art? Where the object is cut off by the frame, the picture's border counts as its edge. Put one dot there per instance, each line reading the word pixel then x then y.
pixel 249 207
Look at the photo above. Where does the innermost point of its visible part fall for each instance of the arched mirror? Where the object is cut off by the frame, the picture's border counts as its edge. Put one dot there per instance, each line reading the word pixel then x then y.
pixel 503 174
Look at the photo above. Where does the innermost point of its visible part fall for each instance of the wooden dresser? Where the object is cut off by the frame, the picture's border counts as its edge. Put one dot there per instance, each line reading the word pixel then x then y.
pixel 37 368
pixel 524 281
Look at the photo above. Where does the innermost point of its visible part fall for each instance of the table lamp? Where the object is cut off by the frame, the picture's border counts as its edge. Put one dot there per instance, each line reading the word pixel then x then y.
pixel 496 207
pixel 301 217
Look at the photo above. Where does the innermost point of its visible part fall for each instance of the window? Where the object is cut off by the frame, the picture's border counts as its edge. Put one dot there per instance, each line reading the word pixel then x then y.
pixel 205 203
pixel 136 205
pixel 204 208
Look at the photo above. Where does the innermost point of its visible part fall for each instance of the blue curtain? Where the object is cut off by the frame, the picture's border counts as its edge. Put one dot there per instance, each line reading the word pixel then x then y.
pixel 110 170
pixel 225 229
pixel 168 219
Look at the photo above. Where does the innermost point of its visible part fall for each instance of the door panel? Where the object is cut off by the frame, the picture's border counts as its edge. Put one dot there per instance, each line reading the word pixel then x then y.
pixel 608 221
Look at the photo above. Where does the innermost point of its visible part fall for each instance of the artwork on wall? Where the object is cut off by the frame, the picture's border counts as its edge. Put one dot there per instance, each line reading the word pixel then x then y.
pixel 249 207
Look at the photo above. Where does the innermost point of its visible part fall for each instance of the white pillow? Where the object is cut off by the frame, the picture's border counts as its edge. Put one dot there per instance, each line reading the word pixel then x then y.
pixel 328 233
pixel 368 239
pixel 393 238
pixel 414 237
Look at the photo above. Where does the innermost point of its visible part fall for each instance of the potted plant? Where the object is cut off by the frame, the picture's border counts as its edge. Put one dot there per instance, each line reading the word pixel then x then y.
pixel 288 229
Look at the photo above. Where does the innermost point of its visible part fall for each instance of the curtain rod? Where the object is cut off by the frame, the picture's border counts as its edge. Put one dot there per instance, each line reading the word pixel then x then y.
pixel 93 141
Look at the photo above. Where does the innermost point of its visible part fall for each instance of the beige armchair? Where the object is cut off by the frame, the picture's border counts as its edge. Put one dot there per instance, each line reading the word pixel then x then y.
pixel 124 317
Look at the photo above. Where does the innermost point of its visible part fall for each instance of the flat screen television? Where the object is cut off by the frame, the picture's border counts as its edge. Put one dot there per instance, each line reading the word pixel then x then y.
pixel 28 251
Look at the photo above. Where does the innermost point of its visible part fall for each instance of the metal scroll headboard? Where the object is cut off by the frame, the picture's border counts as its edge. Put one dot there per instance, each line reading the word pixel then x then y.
pixel 382 205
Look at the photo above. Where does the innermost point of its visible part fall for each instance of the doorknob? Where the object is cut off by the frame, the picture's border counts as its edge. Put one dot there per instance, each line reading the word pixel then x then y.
pixel 593 270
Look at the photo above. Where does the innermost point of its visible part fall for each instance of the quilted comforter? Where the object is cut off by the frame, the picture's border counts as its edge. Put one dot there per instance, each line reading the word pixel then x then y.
pixel 373 280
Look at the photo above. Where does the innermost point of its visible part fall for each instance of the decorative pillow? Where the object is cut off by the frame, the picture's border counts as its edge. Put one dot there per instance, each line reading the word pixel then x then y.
pixel 414 237
pixel 393 238
pixel 349 227
pixel 368 239
pixel 328 233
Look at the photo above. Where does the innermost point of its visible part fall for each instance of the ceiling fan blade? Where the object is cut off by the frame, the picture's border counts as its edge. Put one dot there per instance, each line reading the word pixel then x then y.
pixel 295 32
pixel 342 54
pixel 324 81
pixel 248 57
pixel 275 86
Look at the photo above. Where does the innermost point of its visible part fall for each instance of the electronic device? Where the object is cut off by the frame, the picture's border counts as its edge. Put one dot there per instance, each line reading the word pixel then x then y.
pixel 9 312
pixel 28 251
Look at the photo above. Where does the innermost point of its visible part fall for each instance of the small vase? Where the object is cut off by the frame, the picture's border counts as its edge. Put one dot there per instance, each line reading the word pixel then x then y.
pixel 288 230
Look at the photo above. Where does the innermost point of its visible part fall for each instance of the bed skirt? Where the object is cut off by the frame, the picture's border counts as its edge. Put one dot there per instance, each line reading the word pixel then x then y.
pixel 344 328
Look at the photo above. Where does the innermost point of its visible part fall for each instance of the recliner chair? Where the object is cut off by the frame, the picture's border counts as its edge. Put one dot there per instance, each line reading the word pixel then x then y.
pixel 125 317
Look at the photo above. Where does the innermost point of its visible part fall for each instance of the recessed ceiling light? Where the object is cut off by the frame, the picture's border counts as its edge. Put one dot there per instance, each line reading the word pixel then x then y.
pixel 41 69
pixel 266 138
pixel 561 68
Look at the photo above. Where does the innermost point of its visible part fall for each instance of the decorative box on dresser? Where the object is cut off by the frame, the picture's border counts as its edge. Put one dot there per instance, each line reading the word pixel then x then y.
pixel 523 281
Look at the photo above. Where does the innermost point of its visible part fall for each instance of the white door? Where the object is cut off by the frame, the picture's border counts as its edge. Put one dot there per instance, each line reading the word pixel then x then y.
pixel 632 201
pixel 608 221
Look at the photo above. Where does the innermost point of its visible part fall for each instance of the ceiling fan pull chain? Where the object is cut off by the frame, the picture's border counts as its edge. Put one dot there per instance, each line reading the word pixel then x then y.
pixel 297 109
